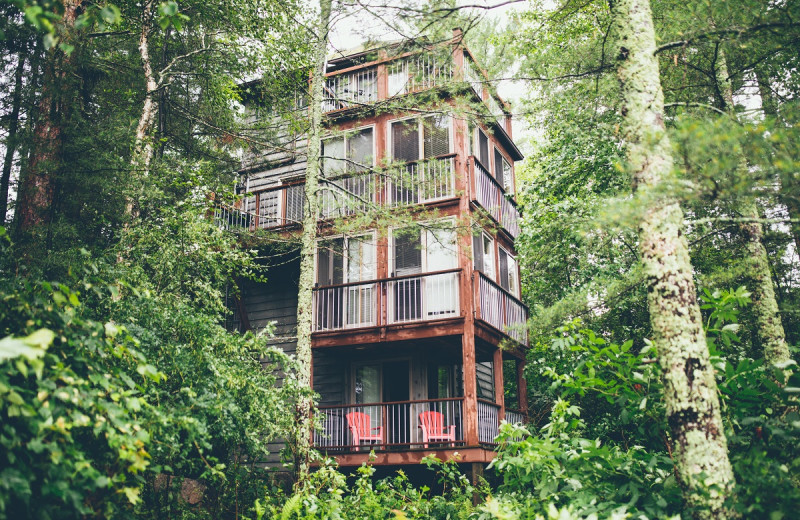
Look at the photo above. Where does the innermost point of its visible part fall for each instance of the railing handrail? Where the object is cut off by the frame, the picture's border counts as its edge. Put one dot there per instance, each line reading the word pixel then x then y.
pixel 387 403
pixel 499 287
pixel 486 401
pixel 389 279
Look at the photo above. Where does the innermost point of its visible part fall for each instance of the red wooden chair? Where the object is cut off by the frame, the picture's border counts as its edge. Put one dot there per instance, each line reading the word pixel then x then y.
pixel 433 429
pixel 362 430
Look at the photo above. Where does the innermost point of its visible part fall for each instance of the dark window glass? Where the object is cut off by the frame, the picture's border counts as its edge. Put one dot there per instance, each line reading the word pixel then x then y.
pixel 483 149
pixel 405 141
pixel 407 253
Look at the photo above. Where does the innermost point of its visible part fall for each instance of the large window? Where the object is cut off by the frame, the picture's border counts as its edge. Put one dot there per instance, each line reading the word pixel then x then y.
pixel 483 149
pixel 418 143
pixel 508 273
pixel 415 252
pixel 344 156
pixel 342 261
pixel 348 153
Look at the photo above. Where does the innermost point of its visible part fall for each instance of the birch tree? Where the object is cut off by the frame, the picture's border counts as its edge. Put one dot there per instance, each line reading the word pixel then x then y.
pixel 690 390
pixel 308 243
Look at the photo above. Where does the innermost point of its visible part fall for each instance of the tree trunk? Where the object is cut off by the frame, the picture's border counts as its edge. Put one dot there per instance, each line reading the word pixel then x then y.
pixel 37 187
pixel 11 141
pixel 143 147
pixel 308 244
pixel 789 195
pixel 765 306
pixel 690 390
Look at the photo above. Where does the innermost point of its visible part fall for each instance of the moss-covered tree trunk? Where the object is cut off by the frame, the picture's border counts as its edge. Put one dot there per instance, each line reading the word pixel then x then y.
pixel 308 243
pixel 690 391
pixel 765 306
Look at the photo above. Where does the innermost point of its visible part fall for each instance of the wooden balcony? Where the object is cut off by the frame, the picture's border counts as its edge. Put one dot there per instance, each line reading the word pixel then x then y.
pixel 500 309
pixel 414 300
pixel 390 301
pixel 397 428
pixel 491 196
pixel 418 182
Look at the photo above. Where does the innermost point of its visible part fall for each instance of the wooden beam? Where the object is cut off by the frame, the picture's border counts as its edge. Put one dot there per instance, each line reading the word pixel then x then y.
pixel 392 458
pixel 522 387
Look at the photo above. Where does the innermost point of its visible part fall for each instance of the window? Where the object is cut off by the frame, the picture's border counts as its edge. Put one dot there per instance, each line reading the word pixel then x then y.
pixel 348 153
pixel 483 149
pixel 508 272
pixel 433 132
pixel 414 140
pixel 498 166
pixel 345 260
pixel 502 172
pixel 416 251
pixel 508 177
pixel 483 253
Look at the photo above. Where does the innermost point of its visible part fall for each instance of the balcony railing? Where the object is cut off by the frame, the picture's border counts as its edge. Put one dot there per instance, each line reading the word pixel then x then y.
pixel 492 197
pixel 501 310
pixel 401 299
pixel 419 72
pixel 387 426
pixel 515 417
pixel 355 88
pixel 423 181
pixel 488 421
pixel 473 76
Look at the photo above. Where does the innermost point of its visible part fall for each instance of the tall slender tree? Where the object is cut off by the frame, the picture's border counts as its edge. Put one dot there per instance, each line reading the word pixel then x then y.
pixel 690 390
pixel 308 242
pixel 765 306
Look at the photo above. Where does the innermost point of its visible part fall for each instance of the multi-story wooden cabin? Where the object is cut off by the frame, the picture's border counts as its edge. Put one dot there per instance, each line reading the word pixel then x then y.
pixel 408 325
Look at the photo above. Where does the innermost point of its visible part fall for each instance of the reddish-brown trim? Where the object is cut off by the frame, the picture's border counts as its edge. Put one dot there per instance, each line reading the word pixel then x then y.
pixel 414 456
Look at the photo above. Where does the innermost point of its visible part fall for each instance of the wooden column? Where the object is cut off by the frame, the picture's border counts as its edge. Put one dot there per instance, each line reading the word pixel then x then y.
pixel 499 387
pixel 468 311
pixel 522 387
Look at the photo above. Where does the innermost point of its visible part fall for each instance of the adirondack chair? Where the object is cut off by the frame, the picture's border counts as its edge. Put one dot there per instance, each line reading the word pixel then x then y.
pixel 433 429
pixel 362 430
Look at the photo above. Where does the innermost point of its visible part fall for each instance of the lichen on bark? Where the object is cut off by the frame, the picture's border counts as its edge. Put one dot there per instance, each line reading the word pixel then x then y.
pixel 765 306
pixel 308 242
pixel 690 391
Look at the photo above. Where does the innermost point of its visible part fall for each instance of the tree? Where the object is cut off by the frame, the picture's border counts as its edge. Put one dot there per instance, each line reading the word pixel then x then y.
pixel 690 390
pixel 308 241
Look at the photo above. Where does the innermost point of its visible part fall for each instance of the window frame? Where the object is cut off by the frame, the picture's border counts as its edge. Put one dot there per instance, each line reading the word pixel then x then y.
pixel 483 236
pixel 372 234
pixel 345 134
pixel 513 289
pixel 424 247
pixel 420 136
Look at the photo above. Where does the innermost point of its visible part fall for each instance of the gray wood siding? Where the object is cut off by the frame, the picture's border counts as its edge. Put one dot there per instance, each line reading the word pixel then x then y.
pixel 330 371
pixel 275 300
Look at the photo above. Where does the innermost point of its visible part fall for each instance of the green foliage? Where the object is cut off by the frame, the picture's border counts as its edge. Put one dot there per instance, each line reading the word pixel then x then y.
pixel 328 496
pixel 73 410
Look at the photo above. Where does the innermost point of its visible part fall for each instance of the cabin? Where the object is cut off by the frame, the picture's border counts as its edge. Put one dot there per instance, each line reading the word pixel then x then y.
pixel 419 332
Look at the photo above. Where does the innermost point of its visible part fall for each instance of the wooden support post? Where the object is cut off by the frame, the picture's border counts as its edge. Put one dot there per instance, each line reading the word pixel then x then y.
pixel 499 387
pixel 476 474
pixel 522 387
pixel 470 386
